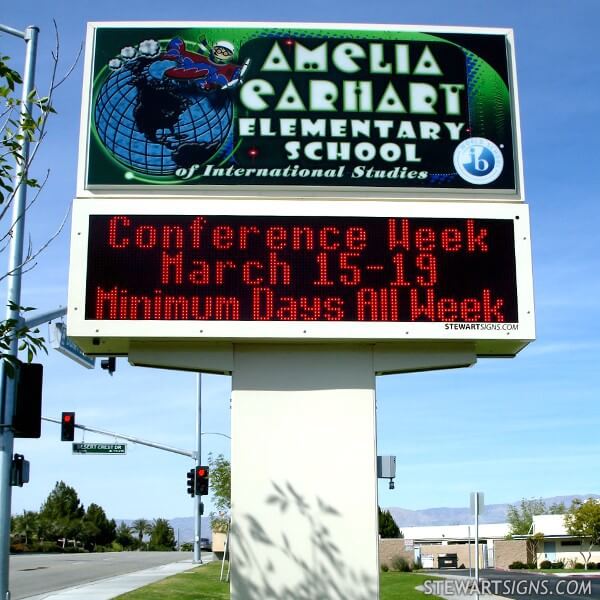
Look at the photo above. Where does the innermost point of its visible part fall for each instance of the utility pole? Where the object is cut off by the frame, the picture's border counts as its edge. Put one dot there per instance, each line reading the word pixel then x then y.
pixel 476 509
pixel 13 300
pixel 197 498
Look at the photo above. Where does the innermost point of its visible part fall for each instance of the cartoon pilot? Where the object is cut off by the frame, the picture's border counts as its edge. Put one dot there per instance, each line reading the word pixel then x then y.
pixel 211 67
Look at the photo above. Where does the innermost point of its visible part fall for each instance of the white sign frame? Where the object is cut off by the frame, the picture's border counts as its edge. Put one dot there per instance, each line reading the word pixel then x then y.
pixel 503 341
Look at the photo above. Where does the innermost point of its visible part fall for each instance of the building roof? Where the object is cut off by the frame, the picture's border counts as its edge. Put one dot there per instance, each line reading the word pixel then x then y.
pixel 549 525
pixel 455 532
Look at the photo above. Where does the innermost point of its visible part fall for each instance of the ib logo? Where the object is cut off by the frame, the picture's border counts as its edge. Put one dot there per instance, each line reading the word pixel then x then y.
pixel 478 161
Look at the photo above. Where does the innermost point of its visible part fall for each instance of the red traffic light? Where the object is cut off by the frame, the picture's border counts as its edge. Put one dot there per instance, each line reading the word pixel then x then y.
pixel 201 483
pixel 67 427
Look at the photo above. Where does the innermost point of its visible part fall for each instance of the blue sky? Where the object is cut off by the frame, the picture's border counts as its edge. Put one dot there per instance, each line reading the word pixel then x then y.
pixel 523 427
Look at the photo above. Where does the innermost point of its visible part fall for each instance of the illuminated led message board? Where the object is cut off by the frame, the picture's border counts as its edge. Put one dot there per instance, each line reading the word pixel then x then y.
pixel 422 273
pixel 397 111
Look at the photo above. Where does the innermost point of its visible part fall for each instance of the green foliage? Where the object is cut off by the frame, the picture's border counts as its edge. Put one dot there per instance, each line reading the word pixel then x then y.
pixel 22 123
pixel 187 547
pixel 29 340
pixel 387 526
pixel 399 563
pixel 96 529
pixel 123 536
pixel 63 525
pixel 25 525
pixel 162 536
pixel 558 508
pixel 220 485
pixel 520 518
pixel 22 129
pixel 62 513
pixel 141 527
pixel 583 520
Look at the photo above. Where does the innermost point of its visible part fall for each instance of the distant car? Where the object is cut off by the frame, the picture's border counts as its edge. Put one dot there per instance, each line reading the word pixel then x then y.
pixel 205 544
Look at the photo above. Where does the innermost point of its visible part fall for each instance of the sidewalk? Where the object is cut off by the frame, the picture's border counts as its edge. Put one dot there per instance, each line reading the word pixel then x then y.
pixel 105 589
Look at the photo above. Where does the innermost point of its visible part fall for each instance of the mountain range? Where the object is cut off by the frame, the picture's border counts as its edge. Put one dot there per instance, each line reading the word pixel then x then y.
pixel 493 513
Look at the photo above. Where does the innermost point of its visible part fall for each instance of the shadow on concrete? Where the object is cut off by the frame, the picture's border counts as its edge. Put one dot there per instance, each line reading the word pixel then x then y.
pixel 321 572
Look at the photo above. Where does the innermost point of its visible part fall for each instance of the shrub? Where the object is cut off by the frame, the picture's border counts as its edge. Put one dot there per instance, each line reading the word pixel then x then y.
pixel 545 564
pixel 531 565
pixel 517 565
pixel 385 568
pixel 558 565
pixel 399 563
pixel 592 565
pixel 417 565
pixel 579 565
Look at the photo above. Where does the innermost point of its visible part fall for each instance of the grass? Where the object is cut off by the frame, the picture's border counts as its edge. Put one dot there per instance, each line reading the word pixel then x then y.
pixel 200 584
pixel 203 584
pixel 395 585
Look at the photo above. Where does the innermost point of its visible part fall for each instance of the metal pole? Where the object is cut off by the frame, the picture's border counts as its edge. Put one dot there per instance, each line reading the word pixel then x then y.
pixel 469 533
pixel 198 499
pixel 7 387
pixel 477 539
pixel 129 438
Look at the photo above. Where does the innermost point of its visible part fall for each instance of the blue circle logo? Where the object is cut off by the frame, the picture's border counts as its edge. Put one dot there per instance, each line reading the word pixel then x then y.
pixel 478 161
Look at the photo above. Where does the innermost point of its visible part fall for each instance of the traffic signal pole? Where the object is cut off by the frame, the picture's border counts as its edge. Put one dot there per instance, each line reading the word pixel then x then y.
pixel 15 262
pixel 197 498
pixel 130 438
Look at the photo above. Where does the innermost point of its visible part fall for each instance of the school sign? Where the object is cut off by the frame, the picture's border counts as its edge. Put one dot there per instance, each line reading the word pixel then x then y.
pixel 390 111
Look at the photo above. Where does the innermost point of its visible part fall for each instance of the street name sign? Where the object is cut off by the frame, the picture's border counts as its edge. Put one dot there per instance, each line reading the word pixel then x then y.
pixel 93 448
pixel 61 342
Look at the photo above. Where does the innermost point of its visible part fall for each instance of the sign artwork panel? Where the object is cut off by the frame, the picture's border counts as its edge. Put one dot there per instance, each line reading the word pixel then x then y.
pixel 392 109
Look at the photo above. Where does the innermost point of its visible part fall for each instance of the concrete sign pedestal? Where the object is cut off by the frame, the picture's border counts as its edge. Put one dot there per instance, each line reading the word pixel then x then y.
pixel 304 482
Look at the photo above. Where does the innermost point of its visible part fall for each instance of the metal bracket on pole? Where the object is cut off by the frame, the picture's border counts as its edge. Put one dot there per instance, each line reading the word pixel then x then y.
pixel 45 317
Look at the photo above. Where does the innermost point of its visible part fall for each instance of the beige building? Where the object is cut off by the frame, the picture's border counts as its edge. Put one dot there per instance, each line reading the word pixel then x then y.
pixel 446 546
pixel 454 545
pixel 557 544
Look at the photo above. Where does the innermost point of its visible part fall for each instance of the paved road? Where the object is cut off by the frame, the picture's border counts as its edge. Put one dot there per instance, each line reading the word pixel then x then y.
pixel 522 585
pixel 34 574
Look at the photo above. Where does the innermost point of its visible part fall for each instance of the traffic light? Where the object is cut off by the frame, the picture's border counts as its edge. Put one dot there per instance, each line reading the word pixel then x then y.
pixel 27 419
pixel 190 482
pixel 67 427
pixel 20 470
pixel 201 481
pixel 109 364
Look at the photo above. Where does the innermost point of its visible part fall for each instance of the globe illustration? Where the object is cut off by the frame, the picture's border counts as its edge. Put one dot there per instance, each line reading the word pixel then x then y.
pixel 154 125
